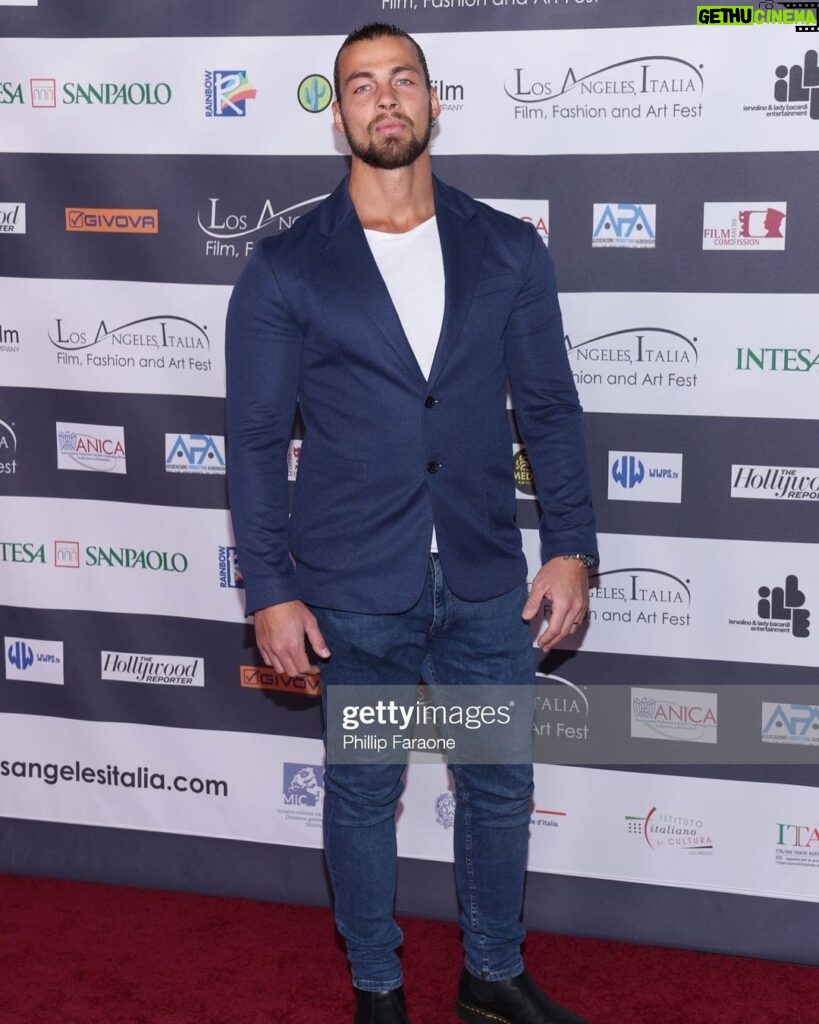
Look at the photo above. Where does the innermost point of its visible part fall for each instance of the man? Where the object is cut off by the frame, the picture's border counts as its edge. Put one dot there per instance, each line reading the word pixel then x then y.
pixel 394 314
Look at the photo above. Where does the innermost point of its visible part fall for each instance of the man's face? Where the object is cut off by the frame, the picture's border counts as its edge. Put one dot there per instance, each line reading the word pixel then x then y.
pixel 384 107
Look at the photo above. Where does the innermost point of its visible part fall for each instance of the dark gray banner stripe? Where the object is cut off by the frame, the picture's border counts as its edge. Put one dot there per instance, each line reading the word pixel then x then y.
pixel 197 196
pixel 101 18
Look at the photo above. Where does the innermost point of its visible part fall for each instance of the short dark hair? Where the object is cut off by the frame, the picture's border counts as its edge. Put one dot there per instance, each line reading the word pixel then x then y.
pixel 376 30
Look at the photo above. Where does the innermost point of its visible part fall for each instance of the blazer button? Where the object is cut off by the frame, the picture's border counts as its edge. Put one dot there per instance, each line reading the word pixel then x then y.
pixel 430 402
pixel 433 467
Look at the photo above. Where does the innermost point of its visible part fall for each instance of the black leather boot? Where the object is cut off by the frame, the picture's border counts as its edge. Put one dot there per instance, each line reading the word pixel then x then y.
pixel 380 1007
pixel 512 1001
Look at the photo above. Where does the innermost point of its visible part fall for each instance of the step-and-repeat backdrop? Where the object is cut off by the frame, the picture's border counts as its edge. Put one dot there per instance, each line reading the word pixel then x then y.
pixel 671 168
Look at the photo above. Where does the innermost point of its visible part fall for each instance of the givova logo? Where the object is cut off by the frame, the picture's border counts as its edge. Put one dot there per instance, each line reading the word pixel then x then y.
pixel 91 447
pixel 39 661
pixel 624 226
pixel 645 476
pixel 227 93
pixel 195 453
pixel 791 724
pixel 302 784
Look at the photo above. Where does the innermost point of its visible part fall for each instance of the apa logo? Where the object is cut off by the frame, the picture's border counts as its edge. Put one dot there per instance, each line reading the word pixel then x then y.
pixel 628 471
pixel 303 784
pixel 796 724
pixel 227 93
pixel 20 655
pixel 314 94
pixel 624 226
pixel 195 453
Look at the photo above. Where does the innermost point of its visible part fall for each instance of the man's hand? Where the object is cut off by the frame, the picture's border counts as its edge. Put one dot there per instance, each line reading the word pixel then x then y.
pixel 280 632
pixel 564 582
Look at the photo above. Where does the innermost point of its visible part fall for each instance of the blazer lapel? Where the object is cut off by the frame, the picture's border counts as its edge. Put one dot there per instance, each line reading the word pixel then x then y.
pixel 346 249
pixel 462 247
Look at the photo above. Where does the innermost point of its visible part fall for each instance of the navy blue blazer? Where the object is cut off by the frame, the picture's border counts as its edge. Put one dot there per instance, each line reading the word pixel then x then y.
pixel 387 453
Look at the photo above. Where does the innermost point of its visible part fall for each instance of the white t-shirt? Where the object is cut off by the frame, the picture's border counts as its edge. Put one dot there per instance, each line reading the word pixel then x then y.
pixel 413 270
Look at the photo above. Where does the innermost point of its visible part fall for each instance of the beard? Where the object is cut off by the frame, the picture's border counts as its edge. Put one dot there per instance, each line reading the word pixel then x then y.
pixel 390 153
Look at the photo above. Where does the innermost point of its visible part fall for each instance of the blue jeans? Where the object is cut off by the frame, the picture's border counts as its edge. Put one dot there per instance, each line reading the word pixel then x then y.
pixel 442 639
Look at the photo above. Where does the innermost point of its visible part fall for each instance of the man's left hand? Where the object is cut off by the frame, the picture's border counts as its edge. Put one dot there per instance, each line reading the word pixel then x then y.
pixel 564 582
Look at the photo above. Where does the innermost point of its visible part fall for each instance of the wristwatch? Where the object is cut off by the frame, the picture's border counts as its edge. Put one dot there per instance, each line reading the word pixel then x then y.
pixel 589 561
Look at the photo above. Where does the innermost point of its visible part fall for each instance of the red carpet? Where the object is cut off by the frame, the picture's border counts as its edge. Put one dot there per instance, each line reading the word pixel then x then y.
pixel 78 953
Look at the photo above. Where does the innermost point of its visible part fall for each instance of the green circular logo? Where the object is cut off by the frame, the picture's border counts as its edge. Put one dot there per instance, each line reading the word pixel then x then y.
pixel 315 93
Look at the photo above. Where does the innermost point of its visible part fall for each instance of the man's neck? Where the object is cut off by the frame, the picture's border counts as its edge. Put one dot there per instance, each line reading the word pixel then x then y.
pixel 393 201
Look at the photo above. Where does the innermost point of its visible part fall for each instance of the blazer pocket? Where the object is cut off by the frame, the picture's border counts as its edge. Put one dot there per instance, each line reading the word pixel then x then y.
pixel 499 283
pixel 328 511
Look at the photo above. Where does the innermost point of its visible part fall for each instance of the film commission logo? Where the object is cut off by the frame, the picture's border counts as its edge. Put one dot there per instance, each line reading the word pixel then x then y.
pixel 784 483
pixel 12 218
pixel 795 90
pixel 162 669
pixel 227 93
pixel 780 610
pixel 797 845
pixel 256 678
pixel 293 456
pixel 302 793
pixel 647 597
pixel 624 226
pixel 673 715
pixel 152 342
pixel 91 446
pixel 650 88
pixel 195 453
pixel 39 661
pixel 795 725
pixel 748 226
pixel 532 211
pixel 670 833
pixel 8 449
pixel 230 577
pixel 645 476
pixel 45 93
pixel 224 226
pixel 112 221
pixel 636 357
pixel 68 554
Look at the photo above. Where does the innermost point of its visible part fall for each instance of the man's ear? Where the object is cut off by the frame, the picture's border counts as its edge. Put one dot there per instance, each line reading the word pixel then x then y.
pixel 338 121
pixel 434 102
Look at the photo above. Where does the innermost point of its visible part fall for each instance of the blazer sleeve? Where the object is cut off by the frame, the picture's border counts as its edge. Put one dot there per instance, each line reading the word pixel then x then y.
pixel 548 411
pixel 263 346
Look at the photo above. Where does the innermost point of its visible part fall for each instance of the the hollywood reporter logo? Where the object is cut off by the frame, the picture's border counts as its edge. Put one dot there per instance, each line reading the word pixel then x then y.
pixel 785 604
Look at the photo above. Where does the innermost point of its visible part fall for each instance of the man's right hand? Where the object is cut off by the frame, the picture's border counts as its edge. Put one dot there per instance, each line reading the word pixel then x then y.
pixel 280 632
